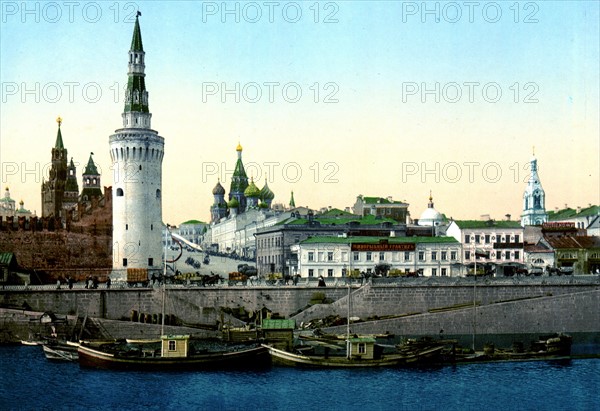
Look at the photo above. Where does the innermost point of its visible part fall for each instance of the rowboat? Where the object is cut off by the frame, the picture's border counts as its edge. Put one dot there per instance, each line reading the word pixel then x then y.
pixel 58 351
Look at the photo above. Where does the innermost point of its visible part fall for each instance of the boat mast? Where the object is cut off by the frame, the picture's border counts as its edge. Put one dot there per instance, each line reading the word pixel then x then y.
pixel 162 323
pixel 474 301
pixel 348 313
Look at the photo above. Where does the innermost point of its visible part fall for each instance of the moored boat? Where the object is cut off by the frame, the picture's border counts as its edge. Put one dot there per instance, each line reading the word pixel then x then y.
pixel 550 347
pixel 173 353
pixel 362 352
pixel 59 351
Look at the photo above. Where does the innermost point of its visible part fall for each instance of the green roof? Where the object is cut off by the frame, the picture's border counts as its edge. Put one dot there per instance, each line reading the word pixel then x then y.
pixel 278 324
pixel 377 240
pixel 59 140
pixel 380 200
pixel 134 97
pixel 136 41
pixel 252 190
pixel 266 193
pixel 6 258
pixel 90 168
pixel 91 192
pixel 336 212
pixel 345 219
pixel 71 184
pixel 487 224
pixel 571 213
pixel 193 222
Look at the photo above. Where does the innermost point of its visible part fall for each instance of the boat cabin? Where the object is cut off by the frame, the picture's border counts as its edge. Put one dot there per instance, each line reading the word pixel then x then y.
pixel 174 346
pixel 362 348
pixel 279 333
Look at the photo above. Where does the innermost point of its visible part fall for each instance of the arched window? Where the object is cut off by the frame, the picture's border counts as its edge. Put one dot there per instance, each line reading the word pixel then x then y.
pixel 119 192
pixel 158 193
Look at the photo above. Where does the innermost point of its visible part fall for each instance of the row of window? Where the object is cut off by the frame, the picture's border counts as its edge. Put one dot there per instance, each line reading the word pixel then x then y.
pixel 135 153
pixel 269 242
pixel 120 192
pixel 330 272
pixel 268 259
pixel 151 227
pixel 507 255
pixel 488 238
pixel 370 256
pixel 150 262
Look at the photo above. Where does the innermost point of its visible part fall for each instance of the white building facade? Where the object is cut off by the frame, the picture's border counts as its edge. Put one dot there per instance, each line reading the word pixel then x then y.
pixel 339 256
pixel 137 152
pixel 235 233
pixel 495 242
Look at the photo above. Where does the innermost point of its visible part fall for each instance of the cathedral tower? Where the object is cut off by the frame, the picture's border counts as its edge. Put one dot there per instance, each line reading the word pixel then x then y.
pixel 53 190
pixel 71 196
pixel 137 152
pixel 534 199
pixel 219 208
pixel 239 183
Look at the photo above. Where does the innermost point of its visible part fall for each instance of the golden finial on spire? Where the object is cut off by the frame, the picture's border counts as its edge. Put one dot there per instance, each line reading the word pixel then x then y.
pixel 59 120
pixel 533 150
pixel 430 196
pixel 239 147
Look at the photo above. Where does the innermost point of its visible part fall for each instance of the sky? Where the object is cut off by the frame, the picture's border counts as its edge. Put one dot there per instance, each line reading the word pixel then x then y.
pixel 329 99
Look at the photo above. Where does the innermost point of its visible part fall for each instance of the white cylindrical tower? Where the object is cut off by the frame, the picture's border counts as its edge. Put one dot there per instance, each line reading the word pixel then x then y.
pixel 137 152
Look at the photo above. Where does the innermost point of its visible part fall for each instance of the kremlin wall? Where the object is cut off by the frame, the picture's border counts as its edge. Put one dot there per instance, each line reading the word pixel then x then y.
pixel 47 251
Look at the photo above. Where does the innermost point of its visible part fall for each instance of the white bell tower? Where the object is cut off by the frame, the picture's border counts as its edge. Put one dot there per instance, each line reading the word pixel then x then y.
pixel 137 152
pixel 534 199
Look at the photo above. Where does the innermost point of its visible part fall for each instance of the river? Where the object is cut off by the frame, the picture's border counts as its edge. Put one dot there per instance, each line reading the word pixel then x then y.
pixel 29 382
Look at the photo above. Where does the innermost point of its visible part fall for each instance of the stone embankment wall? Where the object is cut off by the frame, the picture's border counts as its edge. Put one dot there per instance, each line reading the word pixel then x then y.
pixel 205 305
pixel 570 313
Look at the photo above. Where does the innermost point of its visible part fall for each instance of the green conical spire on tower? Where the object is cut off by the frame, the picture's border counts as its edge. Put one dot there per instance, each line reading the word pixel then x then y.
pixel 136 96
pixel 292 202
pixel 239 180
pixel 59 142
pixel 136 41
pixel 90 168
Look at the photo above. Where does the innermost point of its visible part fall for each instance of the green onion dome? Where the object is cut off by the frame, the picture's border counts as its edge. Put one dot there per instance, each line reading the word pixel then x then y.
pixel 266 193
pixel 233 203
pixel 252 191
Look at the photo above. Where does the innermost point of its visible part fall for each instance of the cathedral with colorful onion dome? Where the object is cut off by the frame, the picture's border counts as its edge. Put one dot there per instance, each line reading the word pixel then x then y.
pixel 244 194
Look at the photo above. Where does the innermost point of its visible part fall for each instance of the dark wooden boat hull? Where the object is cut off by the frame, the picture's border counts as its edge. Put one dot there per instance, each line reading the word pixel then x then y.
pixel 252 358
pixel 284 358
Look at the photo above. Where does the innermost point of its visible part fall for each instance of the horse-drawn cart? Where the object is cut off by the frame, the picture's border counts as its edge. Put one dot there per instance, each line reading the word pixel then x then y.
pixel 236 278
pixel 137 277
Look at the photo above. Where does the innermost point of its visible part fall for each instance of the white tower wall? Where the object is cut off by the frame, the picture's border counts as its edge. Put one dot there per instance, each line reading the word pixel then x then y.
pixel 137 152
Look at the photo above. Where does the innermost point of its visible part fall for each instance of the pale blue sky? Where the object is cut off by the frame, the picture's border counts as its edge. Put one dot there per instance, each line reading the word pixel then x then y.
pixel 374 134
